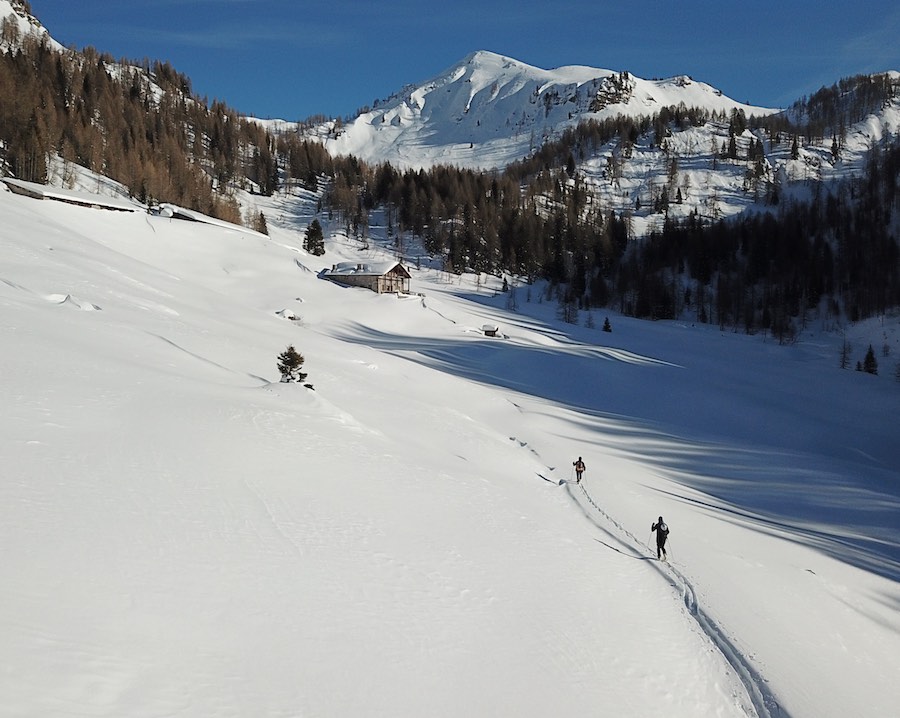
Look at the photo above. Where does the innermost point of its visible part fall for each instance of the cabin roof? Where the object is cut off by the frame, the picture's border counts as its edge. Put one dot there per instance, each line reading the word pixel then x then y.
pixel 366 269
pixel 87 199
pixel 174 211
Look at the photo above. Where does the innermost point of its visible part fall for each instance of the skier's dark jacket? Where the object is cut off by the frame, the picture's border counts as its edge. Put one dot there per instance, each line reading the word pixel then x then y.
pixel 662 532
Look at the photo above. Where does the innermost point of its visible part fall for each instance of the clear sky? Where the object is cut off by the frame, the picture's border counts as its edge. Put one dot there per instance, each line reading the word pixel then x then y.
pixel 294 58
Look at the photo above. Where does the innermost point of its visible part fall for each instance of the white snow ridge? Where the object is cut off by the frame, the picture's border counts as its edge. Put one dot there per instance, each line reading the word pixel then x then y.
pixel 488 111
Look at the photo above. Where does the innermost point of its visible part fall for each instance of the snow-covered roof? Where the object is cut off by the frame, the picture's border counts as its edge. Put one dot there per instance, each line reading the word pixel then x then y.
pixel 173 210
pixel 373 269
pixel 88 199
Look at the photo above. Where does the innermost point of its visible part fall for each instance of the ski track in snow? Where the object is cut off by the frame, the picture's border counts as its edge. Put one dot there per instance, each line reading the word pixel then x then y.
pixel 764 701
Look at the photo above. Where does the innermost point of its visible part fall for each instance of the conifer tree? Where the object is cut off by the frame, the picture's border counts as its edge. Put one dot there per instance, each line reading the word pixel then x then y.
pixel 314 242
pixel 259 224
pixel 870 363
pixel 290 363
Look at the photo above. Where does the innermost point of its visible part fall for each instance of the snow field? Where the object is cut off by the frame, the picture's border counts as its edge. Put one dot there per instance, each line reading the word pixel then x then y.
pixel 184 535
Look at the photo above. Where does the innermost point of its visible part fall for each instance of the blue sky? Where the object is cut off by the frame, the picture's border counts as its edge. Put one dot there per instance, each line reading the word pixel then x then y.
pixel 295 58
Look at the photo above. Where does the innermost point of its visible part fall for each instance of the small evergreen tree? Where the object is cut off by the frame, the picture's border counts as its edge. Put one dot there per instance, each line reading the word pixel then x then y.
pixel 606 325
pixel 314 241
pixel 261 224
pixel 870 363
pixel 289 364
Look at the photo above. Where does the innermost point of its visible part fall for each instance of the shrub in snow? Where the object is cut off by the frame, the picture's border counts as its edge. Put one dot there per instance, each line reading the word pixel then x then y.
pixel 289 364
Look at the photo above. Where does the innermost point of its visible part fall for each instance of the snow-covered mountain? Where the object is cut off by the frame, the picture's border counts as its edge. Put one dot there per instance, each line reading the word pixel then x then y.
pixel 17 18
pixel 488 110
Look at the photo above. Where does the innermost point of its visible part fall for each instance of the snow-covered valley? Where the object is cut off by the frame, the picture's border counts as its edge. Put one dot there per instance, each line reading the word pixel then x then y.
pixel 185 535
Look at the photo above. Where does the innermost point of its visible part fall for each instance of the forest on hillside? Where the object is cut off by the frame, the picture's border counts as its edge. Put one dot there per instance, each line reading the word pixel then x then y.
pixel 834 253
pixel 141 124
pixel 137 123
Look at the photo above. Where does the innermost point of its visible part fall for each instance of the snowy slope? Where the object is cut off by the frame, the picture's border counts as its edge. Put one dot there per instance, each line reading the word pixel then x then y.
pixel 183 535
pixel 25 23
pixel 488 110
pixel 689 168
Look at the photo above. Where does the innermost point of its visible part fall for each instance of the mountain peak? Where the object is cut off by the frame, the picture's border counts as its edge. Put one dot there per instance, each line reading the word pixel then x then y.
pixel 18 13
pixel 482 56
pixel 489 110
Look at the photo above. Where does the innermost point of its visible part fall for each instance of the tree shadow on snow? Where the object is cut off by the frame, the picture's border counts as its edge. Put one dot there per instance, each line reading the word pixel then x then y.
pixel 762 459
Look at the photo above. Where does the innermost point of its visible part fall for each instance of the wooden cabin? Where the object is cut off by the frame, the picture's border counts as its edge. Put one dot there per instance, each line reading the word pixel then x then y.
pixel 379 277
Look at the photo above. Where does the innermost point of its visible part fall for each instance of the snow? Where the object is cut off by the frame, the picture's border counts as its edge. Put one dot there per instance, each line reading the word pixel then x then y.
pixel 171 210
pixel 25 24
pixel 42 191
pixel 489 110
pixel 372 268
pixel 185 535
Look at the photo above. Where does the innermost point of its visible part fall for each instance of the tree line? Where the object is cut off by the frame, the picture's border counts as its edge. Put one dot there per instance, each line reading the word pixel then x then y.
pixel 137 123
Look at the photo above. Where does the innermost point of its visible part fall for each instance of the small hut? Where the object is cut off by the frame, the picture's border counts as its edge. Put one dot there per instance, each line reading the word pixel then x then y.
pixel 380 277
